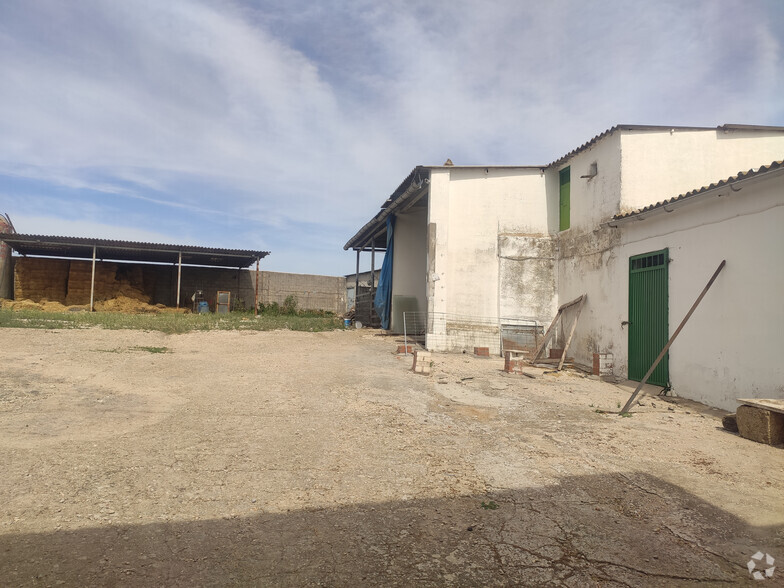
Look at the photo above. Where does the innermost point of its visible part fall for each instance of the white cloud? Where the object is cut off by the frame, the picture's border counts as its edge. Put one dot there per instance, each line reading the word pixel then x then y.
pixel 292 115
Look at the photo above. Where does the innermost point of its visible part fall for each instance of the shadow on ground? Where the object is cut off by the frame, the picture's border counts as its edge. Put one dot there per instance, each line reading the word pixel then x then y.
pixel 617 529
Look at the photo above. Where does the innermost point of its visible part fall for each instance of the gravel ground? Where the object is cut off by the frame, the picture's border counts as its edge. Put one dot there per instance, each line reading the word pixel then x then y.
pixel 283 458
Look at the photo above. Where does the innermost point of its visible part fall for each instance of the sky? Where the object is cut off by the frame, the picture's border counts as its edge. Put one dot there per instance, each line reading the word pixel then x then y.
pixel 283 126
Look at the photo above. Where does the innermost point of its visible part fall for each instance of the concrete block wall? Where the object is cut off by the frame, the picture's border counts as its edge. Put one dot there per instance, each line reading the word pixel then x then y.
pixel 313 292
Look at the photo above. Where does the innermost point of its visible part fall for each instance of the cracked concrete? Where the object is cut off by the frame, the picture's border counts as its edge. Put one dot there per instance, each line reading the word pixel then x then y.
pixel 320 459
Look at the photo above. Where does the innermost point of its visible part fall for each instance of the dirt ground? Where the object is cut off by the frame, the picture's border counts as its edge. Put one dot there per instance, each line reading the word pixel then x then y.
pixel 320 459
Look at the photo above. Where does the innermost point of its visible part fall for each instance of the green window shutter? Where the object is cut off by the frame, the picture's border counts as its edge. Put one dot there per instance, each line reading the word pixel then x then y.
pixel 563 200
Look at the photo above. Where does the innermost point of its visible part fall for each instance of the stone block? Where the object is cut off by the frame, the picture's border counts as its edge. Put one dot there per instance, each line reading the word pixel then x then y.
pixel 760 425
pixel 422 361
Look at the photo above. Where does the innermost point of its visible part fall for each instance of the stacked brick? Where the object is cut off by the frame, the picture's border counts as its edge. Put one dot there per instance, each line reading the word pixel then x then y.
pixel 39 279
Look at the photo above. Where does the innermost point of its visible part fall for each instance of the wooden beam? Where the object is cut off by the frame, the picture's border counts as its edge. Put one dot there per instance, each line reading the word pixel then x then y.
pixel 632 398
pixel 547 336
pixel 571 332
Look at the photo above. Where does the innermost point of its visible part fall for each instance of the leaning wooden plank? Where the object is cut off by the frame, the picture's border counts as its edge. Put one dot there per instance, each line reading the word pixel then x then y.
pixel 547 336
pixel 571 332
pixel 773 404
pixel 632 398
pixel 571 303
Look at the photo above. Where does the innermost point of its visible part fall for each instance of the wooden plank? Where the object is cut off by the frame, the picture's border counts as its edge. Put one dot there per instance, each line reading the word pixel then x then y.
pixel 571 332
pixel 772 404
pixel 571 303
pixel 547 336
pixel 554 360
pixel 630 402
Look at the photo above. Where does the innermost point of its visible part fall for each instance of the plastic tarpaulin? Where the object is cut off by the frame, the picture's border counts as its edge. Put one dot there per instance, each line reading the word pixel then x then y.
pixel 383 299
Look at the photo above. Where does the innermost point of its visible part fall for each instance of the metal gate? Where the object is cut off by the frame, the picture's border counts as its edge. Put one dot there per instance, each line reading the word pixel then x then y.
pixel 648 316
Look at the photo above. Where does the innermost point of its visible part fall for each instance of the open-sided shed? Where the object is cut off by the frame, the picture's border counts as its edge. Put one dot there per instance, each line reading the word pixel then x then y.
pixel 49 246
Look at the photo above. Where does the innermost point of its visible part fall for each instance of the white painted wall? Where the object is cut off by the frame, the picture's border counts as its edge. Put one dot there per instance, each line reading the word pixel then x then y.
pixel 659 164
pixel 732 345
pixel 469 208
pixel 592 200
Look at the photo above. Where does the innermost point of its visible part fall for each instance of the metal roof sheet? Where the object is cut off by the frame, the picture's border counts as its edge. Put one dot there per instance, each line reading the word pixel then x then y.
pixel 82 247
pixel 745 175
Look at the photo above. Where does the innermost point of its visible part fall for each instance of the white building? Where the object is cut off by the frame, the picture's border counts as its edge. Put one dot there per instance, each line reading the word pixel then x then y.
pixel 482 248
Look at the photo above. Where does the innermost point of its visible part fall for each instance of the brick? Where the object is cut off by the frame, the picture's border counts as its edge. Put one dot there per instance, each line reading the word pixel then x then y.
pixel 405 349
pixel 760 425
pixel 422 360
pixel 603 364
pixel 514 363
pixel 482 351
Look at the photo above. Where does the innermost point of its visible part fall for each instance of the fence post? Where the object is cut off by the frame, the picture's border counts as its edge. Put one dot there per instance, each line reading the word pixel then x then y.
pixel 405 338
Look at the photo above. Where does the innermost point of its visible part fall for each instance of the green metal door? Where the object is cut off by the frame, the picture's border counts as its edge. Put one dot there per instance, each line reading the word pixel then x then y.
pixel 564 203
pixel 648 316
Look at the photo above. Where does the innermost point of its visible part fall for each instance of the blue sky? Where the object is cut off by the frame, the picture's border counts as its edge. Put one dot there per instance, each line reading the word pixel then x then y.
pixel 284 125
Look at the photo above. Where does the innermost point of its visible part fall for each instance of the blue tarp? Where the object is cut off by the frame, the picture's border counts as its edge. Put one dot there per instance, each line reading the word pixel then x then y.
pixel 383 300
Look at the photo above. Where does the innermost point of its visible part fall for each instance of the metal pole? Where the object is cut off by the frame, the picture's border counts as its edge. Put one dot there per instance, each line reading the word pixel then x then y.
pixel 629 403
pixel 405 337
pixel 256 297
pixel 179 278
pixel 356 287
pixel 92 284
pixel 372 269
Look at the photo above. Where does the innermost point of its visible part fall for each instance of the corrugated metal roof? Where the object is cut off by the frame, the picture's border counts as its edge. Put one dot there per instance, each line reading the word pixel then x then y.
pixel 82 247
pixel 726 182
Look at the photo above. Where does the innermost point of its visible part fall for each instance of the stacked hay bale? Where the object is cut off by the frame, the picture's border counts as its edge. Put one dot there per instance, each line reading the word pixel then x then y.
pixel 79 281
pixel 39 279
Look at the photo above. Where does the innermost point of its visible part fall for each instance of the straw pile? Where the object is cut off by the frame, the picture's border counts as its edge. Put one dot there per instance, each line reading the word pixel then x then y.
pixel 58 285
pixel 37 279
pixel 79 278
pixel 45 305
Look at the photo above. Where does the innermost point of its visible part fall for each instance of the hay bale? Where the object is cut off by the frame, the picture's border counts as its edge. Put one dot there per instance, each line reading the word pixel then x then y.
pixel 36 279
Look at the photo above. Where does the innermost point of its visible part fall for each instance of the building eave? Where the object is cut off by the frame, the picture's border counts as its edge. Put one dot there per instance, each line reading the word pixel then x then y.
pixel 733 184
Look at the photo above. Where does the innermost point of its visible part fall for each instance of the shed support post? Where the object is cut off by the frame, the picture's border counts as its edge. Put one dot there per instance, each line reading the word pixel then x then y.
pixel 372 271
pixel 256 296
pixel 356 284
pixel 179 277
pixel 92 283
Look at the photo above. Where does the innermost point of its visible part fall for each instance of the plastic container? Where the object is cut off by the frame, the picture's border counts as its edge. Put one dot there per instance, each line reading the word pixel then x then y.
pixel 203 306
pixel 346 322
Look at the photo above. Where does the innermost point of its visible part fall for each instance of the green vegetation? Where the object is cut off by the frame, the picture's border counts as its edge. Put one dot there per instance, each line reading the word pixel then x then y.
pixel 149 349
pixel 289 308
pixel 171 322
pixel 489 505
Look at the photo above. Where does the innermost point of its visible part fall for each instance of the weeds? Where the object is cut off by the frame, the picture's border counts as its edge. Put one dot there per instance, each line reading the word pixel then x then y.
pixel 491 505
pixel 150 349
pixel 169 323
